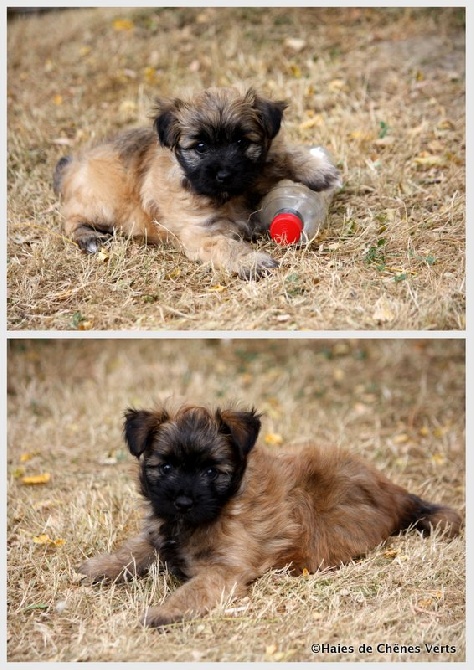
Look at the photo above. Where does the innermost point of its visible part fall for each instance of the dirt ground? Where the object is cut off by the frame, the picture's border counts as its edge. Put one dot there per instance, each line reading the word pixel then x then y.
pixel 71 494
pixel 383 89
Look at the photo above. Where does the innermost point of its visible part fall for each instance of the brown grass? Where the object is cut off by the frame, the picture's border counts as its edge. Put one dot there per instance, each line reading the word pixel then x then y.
pixel 399 404
pixel 383 89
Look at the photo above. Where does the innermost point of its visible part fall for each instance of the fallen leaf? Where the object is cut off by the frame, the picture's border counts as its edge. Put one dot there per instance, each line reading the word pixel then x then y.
pixel 273 438
pixel 305 573
pixel 430 160
pixel 296 71
pixel 362 136
pixel 425 602
pixel 446 124
pixel 122 24
pixel 438 459
pixel 149 74
pixel 36 479
pixel 46 540
pixel 313 122
pixel 24 458
pixel 174 274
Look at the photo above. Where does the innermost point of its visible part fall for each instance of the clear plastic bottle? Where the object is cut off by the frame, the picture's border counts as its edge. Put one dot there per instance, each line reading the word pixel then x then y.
pixel 292 212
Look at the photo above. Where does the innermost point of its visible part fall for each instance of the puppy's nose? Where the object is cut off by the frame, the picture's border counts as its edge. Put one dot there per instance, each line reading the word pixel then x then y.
pixel 223 176
pixel 183 503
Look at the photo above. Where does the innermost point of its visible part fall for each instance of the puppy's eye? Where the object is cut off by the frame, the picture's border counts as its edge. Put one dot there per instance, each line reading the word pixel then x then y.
pixel 165 468
pixel 242 143
pixel 201 148
pixel 210 473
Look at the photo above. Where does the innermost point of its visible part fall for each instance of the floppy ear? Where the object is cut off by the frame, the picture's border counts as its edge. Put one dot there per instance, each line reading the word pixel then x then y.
pixel 139 428
pixel 243 427
pixel 270 113
pixel 166 122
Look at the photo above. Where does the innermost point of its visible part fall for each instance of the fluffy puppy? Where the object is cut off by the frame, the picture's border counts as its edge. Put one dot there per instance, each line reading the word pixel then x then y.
pixel 222 511
pixel 196 178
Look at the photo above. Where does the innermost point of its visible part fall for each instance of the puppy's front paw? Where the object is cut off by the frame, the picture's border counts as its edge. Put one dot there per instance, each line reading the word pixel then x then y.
pixel 256 265
pixel 324 175
pixel 156 617
pixel 101 568
pixel 89 240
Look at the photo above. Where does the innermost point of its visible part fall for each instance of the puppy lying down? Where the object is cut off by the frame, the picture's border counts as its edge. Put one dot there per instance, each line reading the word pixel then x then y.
pixel 221 510
pixel 195 179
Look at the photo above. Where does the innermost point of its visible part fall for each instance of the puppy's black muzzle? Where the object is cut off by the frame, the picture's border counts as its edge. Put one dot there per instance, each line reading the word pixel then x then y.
pixel 183 503
pixel 223 177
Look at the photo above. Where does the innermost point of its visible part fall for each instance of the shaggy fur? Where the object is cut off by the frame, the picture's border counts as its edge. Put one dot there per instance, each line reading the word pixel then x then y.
pixel 195 179
pixel 222 511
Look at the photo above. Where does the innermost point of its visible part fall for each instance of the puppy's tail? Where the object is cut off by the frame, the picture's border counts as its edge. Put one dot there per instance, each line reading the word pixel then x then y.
pixel 426 516
pixel 58 176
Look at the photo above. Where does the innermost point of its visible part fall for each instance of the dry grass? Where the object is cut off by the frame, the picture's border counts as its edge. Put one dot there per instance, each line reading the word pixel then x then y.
pixel 382 88
pixel 398 403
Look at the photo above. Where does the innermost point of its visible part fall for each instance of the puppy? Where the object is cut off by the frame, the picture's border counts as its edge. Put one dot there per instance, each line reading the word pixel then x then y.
pixel 196 179
pixel 222 511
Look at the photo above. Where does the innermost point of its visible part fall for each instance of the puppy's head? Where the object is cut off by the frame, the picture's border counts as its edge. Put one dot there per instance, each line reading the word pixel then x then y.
pixel 191 460
pixel 220 138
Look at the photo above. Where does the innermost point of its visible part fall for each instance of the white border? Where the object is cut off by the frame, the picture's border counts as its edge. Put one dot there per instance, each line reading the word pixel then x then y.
pixel 385 334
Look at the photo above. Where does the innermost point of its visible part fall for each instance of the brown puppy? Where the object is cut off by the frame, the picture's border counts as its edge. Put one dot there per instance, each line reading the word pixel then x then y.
pixel 221 511
pixel 196 179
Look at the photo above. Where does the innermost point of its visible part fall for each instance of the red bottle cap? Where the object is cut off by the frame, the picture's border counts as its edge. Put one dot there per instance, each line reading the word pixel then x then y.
pixel 286 228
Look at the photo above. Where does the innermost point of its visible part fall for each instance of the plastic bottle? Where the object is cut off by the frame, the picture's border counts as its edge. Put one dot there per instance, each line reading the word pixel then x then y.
pixel 292 212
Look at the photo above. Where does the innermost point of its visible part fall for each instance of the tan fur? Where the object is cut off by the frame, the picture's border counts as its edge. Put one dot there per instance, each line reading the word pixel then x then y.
pixel 134 185
pixel 305 508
